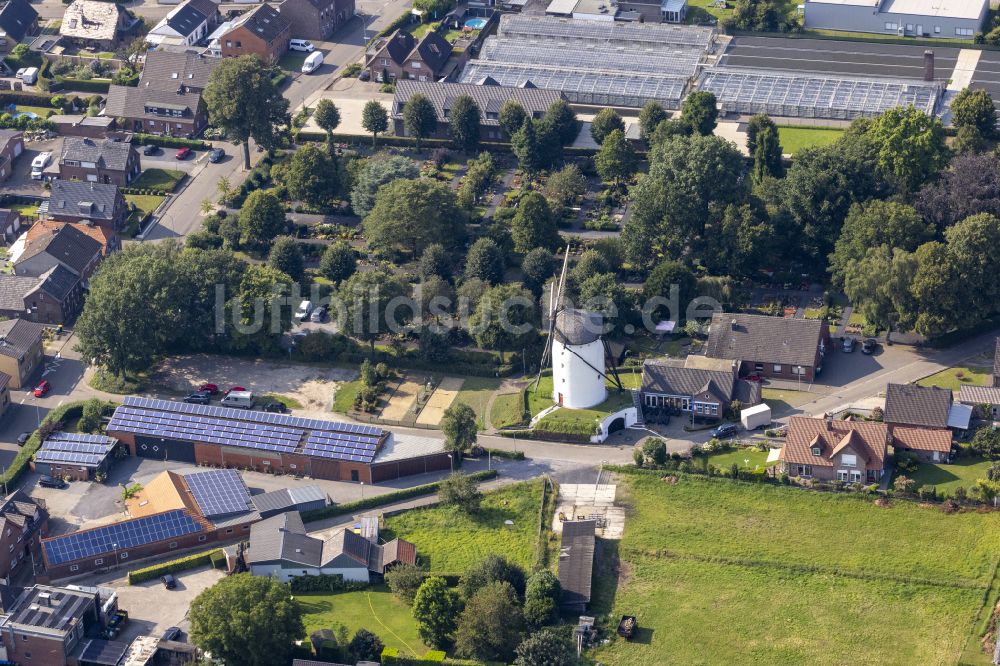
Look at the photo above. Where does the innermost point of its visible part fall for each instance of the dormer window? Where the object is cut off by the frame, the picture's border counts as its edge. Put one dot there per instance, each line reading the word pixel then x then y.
pixel 815 450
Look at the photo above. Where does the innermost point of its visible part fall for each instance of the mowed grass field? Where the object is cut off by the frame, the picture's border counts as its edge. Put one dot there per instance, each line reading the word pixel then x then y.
pixel 449 540
pixel 376 610
pixel 721 572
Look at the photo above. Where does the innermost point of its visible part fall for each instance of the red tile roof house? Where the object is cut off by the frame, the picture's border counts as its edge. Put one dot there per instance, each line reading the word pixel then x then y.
pixel 769 346
pixel 917 418
pixel 826 449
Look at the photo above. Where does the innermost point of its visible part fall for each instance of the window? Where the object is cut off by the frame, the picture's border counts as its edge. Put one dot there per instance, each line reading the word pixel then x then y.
pixel 72 567
pixel 229 44
pixel 815 450
pixel 265 462
pixel 415 64
pixel 124 556
pixel 92 177
pixel 805 470
pixel 777 368
pixel 239 44
pixel 99 561
pixel 202 537
pixel 909 27
pixel 848 460
pixel 245 528
pixel 71 162
pixel 964 32
pixel 891 26
pixel 937 30
pixel 759 367
pixel 855 476
pixel 291 467
pixel 229 531
pixel 841 475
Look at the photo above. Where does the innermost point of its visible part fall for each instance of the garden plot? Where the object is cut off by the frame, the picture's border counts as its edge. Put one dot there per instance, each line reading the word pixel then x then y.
pixel 402 399
pixel 440 400
pixel 580 501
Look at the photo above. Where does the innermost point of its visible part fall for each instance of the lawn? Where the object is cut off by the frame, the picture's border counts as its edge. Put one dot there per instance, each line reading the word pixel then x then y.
pixel 542 398
pixel 794 139
pixel 147 203
pixel 508 410
pixel 726 459
pixel 761 574
pixel 782 400
pixel 700 10
pixel 291 403
pixel 292 61
pixel 476 392
pixel 946 478
pixel 28 209
pixel 959 376
pixel 449 540
pixel 343 399
pixel 165 180
pixel 376 610
pixel 43 111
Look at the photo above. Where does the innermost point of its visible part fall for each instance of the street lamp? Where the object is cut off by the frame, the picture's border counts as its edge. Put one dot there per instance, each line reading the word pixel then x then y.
pixel 451 461
pixel 362 490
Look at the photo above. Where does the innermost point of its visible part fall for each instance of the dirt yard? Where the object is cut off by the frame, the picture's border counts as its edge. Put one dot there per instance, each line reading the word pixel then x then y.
pixel 440 400
pixel 401 401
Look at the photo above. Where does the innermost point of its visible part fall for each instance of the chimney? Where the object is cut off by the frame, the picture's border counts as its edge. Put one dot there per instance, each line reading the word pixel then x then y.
pixel 829 420
pixel 732 325
pixel 928 65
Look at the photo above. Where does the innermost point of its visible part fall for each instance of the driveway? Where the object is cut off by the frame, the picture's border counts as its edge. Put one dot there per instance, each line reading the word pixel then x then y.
pixel 20 182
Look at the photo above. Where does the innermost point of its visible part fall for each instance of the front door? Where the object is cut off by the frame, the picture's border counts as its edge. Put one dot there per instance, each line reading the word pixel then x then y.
pixel 354 475
pixel 920 30
pixel 560 399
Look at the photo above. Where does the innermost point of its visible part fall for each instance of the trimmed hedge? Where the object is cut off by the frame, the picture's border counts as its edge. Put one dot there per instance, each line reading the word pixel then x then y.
pixel 173 566
pixel 325 583
pixel 169 141
pixel 392 657
pixel 85 85
pixel 388 498
pixel 27 99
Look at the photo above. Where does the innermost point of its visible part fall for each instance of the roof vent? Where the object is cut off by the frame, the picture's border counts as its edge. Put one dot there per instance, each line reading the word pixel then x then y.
pixel 298 550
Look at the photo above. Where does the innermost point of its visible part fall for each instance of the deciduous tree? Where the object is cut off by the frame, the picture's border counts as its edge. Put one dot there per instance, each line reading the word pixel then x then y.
pixel 533 225
pixel 485 262
pixel 911 147
pixel 435 262
pixel 419 117
pixel 524 145
pixel 376 172
pixel 327 117
pixel 537 266
pixel 875 223
pixel 511 117
pixel 651 115
pixel 464 118
pixel 412 214
pixel 548 647
pixel 491 625
pixel 699 111
pixel 338 262
pixel 615 161
pixel 561 121
pixel 286 256
pixel 460 490
pixel 459 427
pixel 491 569
pixel 262 218
pixel 311 175
pixel 436 609
pixel 366 297
pixel 504 319
pixel 973 107
pixel 374 119
pixel 604 123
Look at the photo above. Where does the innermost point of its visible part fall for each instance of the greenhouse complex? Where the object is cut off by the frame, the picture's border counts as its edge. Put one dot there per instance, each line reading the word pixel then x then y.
pixel 611 63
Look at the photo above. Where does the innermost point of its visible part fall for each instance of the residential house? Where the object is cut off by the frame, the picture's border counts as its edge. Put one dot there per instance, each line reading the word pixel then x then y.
pixel 55 297
pixel 99 161
pixel 20 350
pixel 704 388
pixel 168 97
pixel 87 203
pixel 401 56
pixel 262 31
pixel 918 419
pixel 23 523
pixel 281 548
pixel 18 19
pixel 828 449
pixel 185 25
pixel 54 626
pixel 94 24
pixel 49 244
pixel 984 399
pixel 10 223
pixel 769 346
pixel 317 19
pixel 11 147
pixel 489 99
pixel 75 124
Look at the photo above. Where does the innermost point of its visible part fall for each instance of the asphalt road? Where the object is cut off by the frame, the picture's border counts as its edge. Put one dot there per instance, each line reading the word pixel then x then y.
pixel 836 57
pixel 182 216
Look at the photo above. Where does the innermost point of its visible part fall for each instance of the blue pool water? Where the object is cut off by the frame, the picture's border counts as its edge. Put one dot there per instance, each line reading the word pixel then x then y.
pixel 30 114
pixel 476 23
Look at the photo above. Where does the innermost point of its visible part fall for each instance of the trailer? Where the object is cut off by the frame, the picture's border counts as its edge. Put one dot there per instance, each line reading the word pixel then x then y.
pixel 627 626
pixel 758 416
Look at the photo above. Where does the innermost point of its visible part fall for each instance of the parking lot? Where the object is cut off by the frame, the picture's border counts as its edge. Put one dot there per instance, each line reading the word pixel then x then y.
pixel 836 57
pixel 987 75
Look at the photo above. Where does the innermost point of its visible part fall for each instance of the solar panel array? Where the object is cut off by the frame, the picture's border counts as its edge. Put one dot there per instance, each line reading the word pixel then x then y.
pixel 219 492
pixel 75 448
pixel 248 429
pixel 678 61
pixel 584 87
pixel 118 536
pixel 806 95
pixel 551 28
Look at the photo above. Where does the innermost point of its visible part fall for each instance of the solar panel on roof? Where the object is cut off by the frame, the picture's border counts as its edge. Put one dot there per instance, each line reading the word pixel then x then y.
pixel 118 536
pixel 219 492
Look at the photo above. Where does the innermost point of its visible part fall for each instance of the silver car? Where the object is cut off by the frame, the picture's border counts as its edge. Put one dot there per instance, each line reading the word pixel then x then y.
pixel 318 315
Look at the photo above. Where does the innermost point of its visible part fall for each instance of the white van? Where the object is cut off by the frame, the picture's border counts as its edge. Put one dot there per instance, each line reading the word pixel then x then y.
pixel 301 45
pixel 239 400
pixel 38 165
pixel 29 76
pixel 305 309
pixel 313 62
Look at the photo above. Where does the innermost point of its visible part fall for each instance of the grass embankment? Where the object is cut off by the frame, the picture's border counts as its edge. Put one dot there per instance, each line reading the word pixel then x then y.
pixel 777 575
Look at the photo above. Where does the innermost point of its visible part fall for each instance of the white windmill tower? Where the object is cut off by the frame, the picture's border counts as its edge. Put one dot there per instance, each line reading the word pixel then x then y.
pixel 578 352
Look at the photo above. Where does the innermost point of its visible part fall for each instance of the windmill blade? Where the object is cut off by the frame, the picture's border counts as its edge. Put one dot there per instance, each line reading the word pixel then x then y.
pixel 555 305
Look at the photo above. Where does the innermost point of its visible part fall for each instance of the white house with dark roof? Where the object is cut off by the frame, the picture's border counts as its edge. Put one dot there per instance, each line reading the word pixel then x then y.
pixel 185 25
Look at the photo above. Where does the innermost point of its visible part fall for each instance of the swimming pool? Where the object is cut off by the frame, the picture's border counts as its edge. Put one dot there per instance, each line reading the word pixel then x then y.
pixel 476 23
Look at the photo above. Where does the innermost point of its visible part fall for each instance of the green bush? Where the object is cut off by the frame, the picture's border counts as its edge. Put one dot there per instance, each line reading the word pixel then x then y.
pixel 325 583
pixel 28 99
pixel 192 561
pixel 168 141
pixel 388 498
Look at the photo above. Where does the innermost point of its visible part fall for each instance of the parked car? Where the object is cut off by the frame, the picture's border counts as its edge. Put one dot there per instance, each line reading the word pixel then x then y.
pixel 364 75
pixel 23 438
pixel 318 315
pixel 847 344
pixel 754 378
pixel 212 389
pixel 869 346
pixel 216 155
pixel 38 165
pixel 150 149
pixel 303 45
pixel 46 481
pixel 234 388
pixel 305 309
pixel 725 430
pixel 171 634
pixel 199 398
pixel 169 581
pixel 276 408
pixel 183 153
pixel 42 388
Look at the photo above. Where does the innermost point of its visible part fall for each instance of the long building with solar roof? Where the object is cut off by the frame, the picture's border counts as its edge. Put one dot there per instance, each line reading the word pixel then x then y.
pixel 225 437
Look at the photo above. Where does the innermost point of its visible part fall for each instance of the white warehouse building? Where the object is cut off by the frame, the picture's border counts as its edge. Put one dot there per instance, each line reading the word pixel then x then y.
pixel 578 360
pixel 954 19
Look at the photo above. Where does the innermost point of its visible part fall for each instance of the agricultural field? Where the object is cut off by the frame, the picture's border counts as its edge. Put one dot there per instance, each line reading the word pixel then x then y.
pixel 449 540
pixel 839 579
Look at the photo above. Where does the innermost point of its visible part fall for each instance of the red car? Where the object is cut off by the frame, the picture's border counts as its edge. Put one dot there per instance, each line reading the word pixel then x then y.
pixel 212 389
pixel 42 388
pixel 753 378
pixel 183 153
pixel 235 388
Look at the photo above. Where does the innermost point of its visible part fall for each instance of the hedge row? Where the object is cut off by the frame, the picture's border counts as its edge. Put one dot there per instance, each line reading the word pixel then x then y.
pixel 325 583
pixel 388 498
pixel 392 657
pixel 143 190
pixel 192 561
pixel 169 141
pixel 25 98
pixel 85 85
pixel 51 422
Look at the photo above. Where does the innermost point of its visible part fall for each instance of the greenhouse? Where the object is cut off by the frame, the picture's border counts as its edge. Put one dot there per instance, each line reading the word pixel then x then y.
pixel 613 32
pixel 805 95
